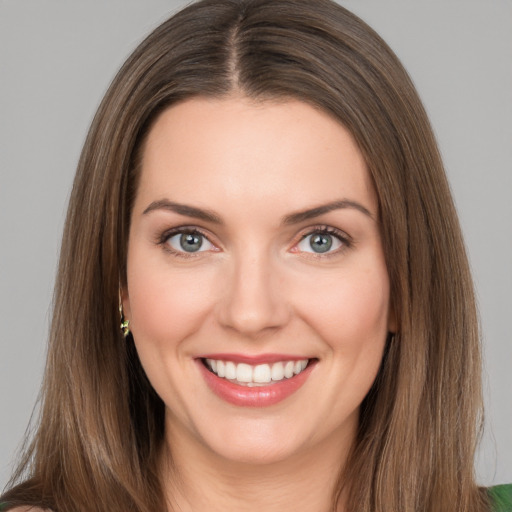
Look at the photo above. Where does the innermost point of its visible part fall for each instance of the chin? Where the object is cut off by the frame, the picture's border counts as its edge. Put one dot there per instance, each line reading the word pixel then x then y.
pixel 251 453
pixel 249 440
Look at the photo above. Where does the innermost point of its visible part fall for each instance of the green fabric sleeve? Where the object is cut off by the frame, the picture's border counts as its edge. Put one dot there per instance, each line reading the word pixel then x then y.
pixel 501 497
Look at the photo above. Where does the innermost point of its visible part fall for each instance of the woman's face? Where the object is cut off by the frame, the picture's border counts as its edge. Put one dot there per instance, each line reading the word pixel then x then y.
pixel 257 292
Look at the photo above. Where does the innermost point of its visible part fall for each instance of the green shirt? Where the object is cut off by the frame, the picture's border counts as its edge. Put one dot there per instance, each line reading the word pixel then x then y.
pixel 501 496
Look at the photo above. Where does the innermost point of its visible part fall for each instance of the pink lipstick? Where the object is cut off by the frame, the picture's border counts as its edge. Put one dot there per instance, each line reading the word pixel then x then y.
pixel 254 381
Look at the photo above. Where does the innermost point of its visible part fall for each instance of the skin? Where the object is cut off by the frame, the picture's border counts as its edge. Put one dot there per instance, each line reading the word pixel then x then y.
pixel 256 287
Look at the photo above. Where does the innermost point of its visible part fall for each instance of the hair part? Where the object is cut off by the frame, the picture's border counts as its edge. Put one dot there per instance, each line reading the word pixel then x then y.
pixel 102 425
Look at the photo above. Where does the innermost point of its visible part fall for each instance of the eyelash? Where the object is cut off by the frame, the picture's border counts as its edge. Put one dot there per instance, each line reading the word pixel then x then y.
pixel 343 238
pixel 183 230
pixel 320 229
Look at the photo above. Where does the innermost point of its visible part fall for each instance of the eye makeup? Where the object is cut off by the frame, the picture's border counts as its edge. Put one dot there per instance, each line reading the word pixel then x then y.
pixel 319 241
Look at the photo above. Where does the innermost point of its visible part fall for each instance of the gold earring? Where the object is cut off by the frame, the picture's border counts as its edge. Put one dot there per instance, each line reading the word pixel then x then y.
pixel 125 324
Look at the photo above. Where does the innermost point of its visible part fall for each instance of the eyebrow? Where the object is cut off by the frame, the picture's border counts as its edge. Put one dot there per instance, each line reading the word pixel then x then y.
pixel 183 209
pixel 296 218
pixel 293 218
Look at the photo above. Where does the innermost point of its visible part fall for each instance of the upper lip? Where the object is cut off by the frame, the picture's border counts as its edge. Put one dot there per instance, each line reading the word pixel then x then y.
pixel 254 359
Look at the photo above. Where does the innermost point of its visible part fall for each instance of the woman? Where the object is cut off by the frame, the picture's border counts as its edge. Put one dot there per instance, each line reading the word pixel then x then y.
pixel 261 199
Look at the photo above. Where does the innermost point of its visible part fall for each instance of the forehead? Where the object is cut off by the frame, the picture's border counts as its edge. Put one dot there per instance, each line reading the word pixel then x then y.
pixel 238 149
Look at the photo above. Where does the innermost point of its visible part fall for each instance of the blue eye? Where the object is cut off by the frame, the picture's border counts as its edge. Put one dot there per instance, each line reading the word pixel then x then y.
pixel 320 242
pixel 189 242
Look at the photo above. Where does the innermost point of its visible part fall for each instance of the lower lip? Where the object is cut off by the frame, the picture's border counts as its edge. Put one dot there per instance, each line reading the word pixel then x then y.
pixel 258 396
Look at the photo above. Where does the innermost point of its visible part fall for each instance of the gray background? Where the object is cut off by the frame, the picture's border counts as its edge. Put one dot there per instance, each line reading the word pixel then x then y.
pixel 56 60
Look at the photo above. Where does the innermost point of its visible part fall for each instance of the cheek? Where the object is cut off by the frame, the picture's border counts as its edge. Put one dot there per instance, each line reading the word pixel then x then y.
pixel 358 334
pixel 351 319
pixel 166 305
pixel 350 309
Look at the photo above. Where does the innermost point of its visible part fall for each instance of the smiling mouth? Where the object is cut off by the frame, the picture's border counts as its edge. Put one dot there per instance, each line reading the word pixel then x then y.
pixel 266 374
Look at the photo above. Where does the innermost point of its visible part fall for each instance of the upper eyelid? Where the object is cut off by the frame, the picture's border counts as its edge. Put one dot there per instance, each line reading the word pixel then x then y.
pixel 164 237
pixel 168 233
pixel 344 238
pixel 331 230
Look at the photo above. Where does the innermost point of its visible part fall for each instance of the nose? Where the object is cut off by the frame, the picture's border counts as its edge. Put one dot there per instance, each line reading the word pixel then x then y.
pixel 254 300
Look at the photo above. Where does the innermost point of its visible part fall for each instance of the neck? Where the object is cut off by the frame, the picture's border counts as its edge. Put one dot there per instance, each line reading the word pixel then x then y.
pixel 197 479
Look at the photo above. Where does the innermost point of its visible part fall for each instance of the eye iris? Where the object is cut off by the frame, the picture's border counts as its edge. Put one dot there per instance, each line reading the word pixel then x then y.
pixel 190 242
pixel 320 242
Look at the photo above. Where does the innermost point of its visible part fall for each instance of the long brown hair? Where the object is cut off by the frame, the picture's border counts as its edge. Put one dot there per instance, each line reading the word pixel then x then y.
pixel 101 426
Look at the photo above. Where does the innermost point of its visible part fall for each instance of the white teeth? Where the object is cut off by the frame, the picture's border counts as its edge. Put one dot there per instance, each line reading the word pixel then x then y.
pixel 230 370
pixel 277 371
pixel 221 369
pixel 243 373
pixel 262 373
pixel 248 375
